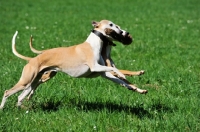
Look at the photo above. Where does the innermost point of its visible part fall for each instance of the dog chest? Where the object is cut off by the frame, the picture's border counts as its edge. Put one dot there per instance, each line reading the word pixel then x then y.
pixel 77 71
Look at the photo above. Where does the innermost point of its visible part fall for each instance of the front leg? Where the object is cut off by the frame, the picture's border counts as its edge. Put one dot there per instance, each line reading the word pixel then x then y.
pixel 135 88
pixel 109 62
pixel 123 82
pixel 100 68
pixel 130 73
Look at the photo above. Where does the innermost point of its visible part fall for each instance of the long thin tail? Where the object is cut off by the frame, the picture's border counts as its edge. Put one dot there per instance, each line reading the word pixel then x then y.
pixel 15 51
pixel 33 49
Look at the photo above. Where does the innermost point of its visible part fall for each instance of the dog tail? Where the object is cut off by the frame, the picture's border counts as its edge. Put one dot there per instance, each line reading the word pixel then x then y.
pixel 14 49
pixel 33 49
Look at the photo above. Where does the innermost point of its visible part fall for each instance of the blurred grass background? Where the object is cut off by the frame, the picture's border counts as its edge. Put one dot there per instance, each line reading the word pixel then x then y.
pixel 166 45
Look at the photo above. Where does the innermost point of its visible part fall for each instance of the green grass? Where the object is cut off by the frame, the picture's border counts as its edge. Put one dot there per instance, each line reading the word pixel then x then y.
pixel 166 45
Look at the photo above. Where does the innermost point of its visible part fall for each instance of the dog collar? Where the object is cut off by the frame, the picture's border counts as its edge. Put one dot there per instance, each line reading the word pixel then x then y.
pixel 101 36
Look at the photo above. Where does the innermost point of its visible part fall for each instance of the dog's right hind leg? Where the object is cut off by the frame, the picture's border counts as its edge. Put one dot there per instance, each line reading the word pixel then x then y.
pixel 18 87
pixel 27 76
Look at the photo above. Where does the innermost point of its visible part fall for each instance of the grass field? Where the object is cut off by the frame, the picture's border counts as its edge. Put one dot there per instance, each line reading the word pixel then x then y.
pixel 166 45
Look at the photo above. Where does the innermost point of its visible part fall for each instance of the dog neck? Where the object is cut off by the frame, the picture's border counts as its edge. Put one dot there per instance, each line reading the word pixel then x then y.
pixel 97 40
pixel 101 36
pixel 105 40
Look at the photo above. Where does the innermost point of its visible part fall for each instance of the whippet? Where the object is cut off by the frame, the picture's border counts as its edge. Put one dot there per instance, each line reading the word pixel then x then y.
pixel 82 60
pixel 105 53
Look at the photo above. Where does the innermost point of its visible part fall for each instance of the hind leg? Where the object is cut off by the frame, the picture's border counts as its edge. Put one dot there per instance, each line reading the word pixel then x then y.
pixel 27 76
pixel 18 87
pixel 23 95
pixel 39 79
pixel 29 88
pixel 47 75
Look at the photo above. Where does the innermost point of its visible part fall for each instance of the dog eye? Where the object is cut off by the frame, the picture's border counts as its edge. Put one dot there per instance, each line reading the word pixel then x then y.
pixel 111 24
pixel 117 27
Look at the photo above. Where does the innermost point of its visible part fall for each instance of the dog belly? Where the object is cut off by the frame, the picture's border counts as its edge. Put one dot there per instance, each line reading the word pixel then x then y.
pixel 78 71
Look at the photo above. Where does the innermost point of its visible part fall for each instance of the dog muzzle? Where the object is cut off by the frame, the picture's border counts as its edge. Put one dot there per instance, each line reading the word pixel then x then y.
pixel 124 39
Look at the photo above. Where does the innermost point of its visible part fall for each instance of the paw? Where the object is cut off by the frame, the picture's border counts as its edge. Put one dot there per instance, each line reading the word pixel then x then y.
pixel 138 73
pixel 141 72
pixel 142 91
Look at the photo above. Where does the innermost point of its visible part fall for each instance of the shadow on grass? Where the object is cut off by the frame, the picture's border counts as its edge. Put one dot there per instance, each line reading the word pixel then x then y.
pixel 82 105
pixel 52 106
pixel 161 108
pixel 113 107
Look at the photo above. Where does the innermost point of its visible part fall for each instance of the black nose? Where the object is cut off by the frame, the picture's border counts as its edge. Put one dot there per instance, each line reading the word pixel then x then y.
pixel 121 32
pixel 127 33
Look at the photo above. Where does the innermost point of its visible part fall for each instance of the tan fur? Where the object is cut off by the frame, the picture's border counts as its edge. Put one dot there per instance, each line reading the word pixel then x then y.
pixel 107 61
pixel 82 60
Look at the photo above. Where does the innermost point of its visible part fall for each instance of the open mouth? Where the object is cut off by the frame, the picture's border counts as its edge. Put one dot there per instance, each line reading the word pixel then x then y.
pixel 126 40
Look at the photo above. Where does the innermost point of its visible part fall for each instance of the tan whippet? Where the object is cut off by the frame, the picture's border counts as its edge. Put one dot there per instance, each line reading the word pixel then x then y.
pixel 105 53
pixel 83 60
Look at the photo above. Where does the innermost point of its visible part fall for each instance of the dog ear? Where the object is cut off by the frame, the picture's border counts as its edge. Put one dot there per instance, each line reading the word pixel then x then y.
pixel 95 24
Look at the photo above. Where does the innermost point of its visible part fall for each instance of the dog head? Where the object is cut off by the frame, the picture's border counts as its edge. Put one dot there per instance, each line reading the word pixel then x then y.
pixel 112 31
pixel 125 39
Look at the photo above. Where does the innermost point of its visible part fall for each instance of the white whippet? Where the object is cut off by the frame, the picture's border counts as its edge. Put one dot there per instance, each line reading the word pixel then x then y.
pixel 83 60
